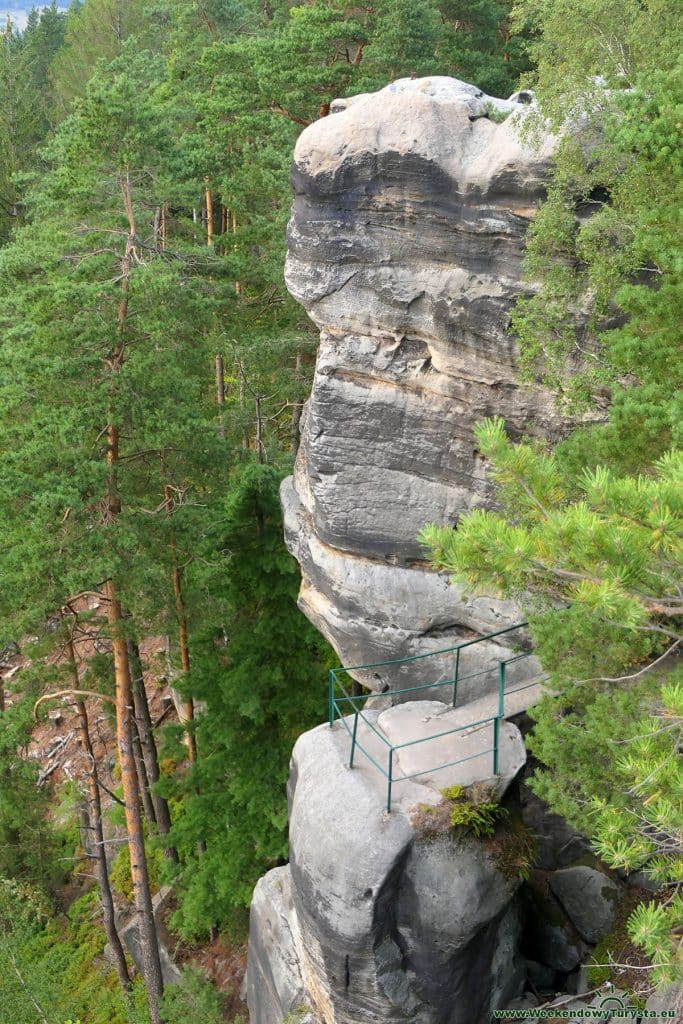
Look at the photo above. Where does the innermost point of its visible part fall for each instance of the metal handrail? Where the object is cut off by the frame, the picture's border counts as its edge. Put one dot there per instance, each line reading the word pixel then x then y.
pixel 337 713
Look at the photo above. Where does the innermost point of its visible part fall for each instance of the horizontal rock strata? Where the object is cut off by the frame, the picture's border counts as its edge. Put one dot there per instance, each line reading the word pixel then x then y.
pixel 405 248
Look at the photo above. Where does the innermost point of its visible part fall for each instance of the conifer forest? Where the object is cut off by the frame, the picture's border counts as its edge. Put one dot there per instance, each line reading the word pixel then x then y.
pixel 155 667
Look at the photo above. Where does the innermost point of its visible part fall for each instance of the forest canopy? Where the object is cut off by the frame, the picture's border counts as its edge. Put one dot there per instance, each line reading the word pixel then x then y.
pixel 152 375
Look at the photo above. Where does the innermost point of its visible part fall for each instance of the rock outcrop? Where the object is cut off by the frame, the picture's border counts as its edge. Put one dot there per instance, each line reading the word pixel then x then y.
pixel 405 248
pixel 371 920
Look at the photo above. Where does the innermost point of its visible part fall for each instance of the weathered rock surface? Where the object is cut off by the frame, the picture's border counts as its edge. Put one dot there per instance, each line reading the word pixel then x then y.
pixel 590 898
pixel 273 951
pixel 557 844
pixel 549 937
pixel 420 729
pixel 405 247
pixel 129 932
pixel 381 925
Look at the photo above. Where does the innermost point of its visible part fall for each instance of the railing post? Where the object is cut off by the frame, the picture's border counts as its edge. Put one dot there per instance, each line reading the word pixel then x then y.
pixel 390 779
pixel 353 738
pixel 330 697
pixel 456 673
pixel 500 716
pixel 501 689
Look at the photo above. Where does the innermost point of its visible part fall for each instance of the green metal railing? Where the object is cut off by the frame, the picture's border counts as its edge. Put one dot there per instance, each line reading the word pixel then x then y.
pixel 343 704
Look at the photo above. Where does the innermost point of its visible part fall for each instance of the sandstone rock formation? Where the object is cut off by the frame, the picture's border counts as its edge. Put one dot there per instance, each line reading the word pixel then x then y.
pixel 371 922
pixel 405 248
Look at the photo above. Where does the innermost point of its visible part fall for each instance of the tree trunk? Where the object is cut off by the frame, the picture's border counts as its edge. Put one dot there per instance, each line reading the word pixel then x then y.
pixel 95 823
pixel 181 617
pixel 238 284
pixel 164 225
pixel 143 780
pixel 209 212
pixel 149 748
pixel 220 394
pixel 149 944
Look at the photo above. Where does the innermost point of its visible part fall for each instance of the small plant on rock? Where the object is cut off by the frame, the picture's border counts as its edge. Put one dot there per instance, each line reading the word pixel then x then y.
pixel 473 810
pixel 431 821
pixel 477 818
pixel 513 851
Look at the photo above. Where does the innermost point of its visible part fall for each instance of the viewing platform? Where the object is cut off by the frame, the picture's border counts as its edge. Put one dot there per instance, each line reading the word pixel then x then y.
pixel 425 733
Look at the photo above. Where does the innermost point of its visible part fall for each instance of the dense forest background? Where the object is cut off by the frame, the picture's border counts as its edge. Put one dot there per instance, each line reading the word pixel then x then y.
pixel 152 373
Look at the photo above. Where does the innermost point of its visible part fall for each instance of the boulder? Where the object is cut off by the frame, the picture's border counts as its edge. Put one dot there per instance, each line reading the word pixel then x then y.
pixel 668 999
pixel 557 844
pixel 129 933
pixel 371 921
pixel 540 975
pixel 642 880
pixel 425 725
pixel 590 898
pixel 549 937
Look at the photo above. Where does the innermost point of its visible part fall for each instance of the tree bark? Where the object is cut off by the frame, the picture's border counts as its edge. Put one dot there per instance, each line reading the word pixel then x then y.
pixel 220 394
pixel 209 212
pixel 149 943
pixel 181 617
pixel 149 748
pixel 143 780
pixel 95 823
pixel 238 284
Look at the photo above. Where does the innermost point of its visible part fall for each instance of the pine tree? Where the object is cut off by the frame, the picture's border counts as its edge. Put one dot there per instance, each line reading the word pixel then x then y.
pixel 259 668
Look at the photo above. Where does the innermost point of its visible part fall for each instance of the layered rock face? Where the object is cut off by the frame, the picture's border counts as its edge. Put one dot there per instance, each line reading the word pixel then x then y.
pixel 405 248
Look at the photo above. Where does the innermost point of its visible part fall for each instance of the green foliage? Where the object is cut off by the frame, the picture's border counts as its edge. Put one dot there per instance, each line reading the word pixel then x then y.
pixel 119 874
pixel 262 688
pixel 30 846
pixel 453 792
pixel 598 560
pixel 474 812
pixel 59 962
pixel 655 927
pixel 613 553
pixel 604 255
pixel 27 112
pixel 193 998
pixel 495 114
pixel 513 850
pixel 296 1016
pixel 470 812
pixel 613 41
pixel 480 819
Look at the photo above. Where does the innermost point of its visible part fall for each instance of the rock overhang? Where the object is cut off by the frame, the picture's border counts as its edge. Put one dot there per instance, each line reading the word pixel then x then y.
pixel 405 248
